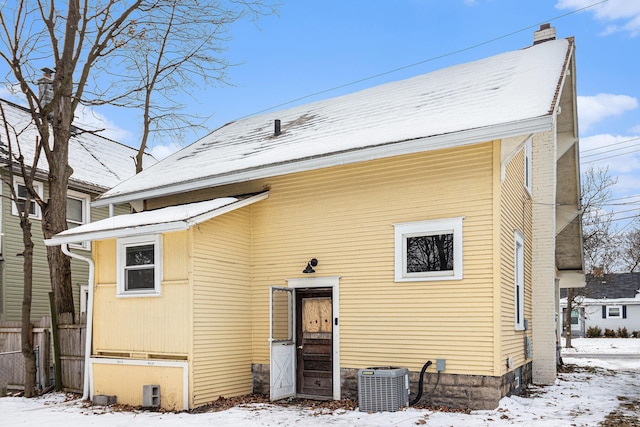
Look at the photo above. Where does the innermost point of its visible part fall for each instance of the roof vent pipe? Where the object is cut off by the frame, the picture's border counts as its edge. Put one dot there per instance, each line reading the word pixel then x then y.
pixel 276 130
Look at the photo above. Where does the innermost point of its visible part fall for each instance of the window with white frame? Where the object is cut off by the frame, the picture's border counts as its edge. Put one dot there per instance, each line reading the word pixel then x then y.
pixel 139 265
pixel 614 311
pixel 518 278
pixel 527 165
pixel 428 250
pixel 78 212
pixel 23 195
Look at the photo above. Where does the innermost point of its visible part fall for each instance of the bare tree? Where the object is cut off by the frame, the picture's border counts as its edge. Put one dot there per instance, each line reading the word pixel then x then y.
pixel 94 47
pixel 24 205
pixel 601 240
pixel 631 250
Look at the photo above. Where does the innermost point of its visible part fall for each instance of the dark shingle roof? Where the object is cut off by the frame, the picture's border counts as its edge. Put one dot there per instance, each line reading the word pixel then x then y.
pixel 610 286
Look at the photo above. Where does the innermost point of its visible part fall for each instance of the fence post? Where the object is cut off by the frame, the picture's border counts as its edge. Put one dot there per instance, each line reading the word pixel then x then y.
pixel 56 344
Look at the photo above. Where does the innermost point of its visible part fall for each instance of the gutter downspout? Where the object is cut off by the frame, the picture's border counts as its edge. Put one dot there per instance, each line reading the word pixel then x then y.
pixel 89 336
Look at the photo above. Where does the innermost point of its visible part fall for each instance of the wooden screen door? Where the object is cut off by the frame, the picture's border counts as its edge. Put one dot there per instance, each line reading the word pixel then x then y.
pixel 314 342
pixel 282 345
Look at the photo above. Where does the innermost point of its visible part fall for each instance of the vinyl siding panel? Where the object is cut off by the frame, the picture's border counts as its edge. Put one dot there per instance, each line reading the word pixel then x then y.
pixel 344 217
pixel 154 327
pixel 515 214
pixel 11 287
pixel 222 307
pixel 108 380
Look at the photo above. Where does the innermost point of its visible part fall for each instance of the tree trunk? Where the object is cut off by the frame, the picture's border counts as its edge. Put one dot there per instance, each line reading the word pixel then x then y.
pixel 54 222
pixel 55 210
pixel 567 318
pixel 27 331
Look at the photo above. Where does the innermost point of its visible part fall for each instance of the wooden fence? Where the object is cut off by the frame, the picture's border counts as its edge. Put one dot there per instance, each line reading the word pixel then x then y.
pixel 12 361
pixel 72 342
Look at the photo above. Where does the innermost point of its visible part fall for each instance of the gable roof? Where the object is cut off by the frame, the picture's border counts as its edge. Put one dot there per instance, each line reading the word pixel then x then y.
pixel 510 94
pixel 612 286
pixel 98 163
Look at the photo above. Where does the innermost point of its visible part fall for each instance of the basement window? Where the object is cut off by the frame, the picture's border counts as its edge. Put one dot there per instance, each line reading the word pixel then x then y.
pixel 428 250
pixel 139 266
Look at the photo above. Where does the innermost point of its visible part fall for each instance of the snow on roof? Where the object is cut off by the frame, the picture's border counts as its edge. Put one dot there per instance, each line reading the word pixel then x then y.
pixel 171 218
pixel 508 88
pixel 97 162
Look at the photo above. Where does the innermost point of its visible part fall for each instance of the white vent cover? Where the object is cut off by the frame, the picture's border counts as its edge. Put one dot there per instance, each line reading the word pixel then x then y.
pixel 383 389
pixel 150 396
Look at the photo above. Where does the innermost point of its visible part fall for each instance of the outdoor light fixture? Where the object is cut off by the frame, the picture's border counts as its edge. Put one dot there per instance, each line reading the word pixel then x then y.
pixel 310 266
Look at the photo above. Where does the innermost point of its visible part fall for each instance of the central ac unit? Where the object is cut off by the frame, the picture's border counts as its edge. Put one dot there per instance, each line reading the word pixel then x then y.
pixel 383 389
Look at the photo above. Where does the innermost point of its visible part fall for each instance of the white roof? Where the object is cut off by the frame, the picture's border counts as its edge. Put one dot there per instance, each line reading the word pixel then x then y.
pixel 97 162
pixel 172 218
pixel 509 94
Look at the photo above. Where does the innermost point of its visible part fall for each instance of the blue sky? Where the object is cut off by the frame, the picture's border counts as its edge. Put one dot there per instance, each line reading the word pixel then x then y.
pixel 314 46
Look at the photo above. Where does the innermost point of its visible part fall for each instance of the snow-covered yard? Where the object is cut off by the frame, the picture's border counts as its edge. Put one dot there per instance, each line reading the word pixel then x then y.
pixel 591 389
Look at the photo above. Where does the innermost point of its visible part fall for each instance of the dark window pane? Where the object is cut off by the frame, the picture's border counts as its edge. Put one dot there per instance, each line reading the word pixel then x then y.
pixel 430 253
pixel 139 279
pixel 32 206
pixel 22 191
pixel 74 210
pixel 140 255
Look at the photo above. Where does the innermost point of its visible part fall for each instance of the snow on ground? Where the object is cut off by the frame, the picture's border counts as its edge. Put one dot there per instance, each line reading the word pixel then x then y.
pixel 592 388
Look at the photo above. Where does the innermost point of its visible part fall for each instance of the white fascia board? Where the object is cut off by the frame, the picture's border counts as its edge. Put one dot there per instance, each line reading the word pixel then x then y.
pixel 154 228
pixel 227 208
pixel 456 139
pixel 117 233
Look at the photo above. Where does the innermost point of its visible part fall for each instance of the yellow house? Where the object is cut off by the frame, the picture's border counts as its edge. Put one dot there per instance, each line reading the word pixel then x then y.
pixel 430 219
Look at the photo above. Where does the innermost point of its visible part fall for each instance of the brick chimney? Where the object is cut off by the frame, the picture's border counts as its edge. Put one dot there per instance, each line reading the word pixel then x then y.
pixel 45 86
pixel 544 34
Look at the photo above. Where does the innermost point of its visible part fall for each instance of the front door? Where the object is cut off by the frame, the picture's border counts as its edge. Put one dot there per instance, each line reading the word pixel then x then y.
pixel 314 342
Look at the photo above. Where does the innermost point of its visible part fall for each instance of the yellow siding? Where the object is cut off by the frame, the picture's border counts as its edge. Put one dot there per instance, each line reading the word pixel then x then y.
pixel 344 216
pixel 515 214
pixel 222 307
pixel 143 327
pixel 126 381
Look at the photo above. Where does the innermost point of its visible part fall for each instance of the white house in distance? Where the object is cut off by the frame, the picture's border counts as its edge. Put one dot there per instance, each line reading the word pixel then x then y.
pixel 609 301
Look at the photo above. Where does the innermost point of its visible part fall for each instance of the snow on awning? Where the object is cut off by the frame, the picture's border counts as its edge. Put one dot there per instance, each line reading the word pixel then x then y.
pixel 172 218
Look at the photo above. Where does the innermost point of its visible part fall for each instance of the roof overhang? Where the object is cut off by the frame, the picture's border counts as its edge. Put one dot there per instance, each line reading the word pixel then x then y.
pixel 395 148
pixel 571 279
pixel 172 218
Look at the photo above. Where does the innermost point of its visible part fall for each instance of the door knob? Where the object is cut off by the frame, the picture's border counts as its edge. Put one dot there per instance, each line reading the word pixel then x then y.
pixel 299 347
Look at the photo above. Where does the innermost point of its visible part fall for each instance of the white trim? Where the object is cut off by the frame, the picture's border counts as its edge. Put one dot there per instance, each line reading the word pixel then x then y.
pixel 528 165
pixel 155 228
pixel 121 253
pixel 332 282
pixel 518 280
pixel 425 228
pixel 84 298
pixel 148 362
pixel 389 149
pixel 88 342
pixel 39 187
